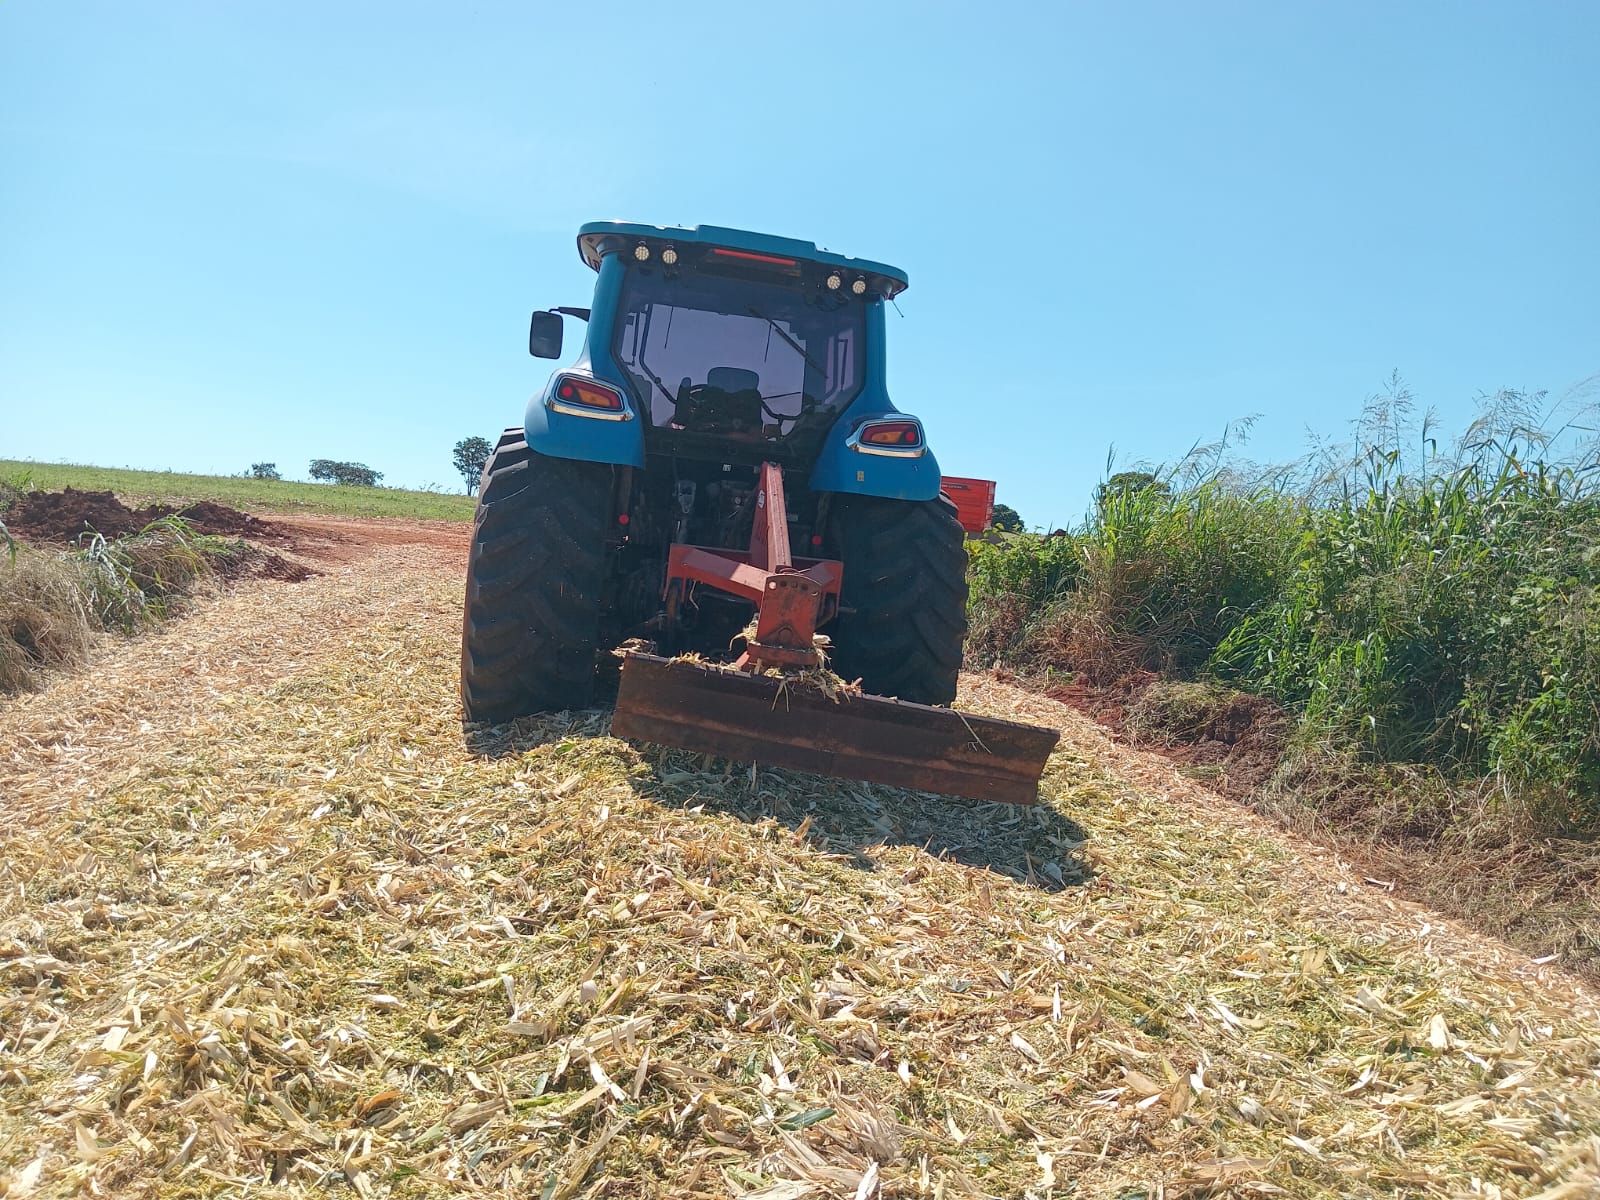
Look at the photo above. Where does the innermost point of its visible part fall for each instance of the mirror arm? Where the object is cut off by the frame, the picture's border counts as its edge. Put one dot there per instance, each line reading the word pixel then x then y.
pixel 581 313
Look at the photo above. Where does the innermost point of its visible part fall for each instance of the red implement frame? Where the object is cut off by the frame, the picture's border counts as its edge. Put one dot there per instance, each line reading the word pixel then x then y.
pixel 792 596
pixel 755 716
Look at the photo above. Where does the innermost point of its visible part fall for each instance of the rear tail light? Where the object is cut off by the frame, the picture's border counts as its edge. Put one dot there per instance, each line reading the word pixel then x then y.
pixel 581 391
pixel 582 397
pixel 894 436
pixel 892 433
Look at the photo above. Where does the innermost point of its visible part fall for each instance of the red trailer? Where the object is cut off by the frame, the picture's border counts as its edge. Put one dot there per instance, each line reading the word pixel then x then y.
pixel 974 501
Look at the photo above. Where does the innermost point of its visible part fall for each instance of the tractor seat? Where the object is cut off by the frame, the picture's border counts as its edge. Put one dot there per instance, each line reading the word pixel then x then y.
pixel 731 405
pixel 733 379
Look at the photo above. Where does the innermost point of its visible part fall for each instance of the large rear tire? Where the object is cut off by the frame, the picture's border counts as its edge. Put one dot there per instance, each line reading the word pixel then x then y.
pixel 534 577
pixel 903 603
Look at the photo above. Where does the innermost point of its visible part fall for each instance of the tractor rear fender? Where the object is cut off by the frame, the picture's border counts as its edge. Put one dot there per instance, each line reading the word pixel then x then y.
pixel 599 439
pixel 602 439
pixel 844 467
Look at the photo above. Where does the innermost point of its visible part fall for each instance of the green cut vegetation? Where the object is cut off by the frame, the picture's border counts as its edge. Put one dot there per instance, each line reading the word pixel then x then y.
pixel 251 495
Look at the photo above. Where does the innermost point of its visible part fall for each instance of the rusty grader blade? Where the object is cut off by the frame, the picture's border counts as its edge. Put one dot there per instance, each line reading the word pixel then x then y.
pixel 772 722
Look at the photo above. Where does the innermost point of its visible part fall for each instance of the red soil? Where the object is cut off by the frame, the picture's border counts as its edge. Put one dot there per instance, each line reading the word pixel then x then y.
pixel 52 517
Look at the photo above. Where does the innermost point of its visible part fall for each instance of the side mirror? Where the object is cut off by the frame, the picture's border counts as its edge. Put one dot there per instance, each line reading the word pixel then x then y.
pixel 544 335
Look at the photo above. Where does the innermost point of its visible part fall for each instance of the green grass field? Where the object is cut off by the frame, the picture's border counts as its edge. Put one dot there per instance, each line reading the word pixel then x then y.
pixel 251 495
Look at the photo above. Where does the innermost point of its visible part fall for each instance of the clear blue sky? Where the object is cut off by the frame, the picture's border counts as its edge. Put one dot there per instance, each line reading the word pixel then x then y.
pixel 284 230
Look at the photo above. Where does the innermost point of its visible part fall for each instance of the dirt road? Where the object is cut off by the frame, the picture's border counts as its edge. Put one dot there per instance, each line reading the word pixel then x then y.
pixel 265 920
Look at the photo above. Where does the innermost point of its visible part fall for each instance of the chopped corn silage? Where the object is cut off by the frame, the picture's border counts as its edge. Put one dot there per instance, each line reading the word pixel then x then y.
pixel 305 940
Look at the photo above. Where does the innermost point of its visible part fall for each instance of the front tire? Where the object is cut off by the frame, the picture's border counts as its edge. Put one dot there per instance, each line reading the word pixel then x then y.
pixel 534 577
pixel 903 603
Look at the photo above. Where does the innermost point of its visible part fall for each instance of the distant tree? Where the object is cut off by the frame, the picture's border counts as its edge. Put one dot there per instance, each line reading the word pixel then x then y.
pixel 1126 482
pixel 1005 518
pixel 264 471
pixel 357 475
pixel 470 456
pixel 347 473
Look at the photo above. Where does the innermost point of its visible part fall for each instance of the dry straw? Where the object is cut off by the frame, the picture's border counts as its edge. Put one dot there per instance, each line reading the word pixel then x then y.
pixel 305 941
pixel 53 601
pixel 43 616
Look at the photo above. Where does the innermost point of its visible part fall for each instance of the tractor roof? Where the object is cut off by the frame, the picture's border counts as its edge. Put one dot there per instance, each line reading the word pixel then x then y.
pixel 888 281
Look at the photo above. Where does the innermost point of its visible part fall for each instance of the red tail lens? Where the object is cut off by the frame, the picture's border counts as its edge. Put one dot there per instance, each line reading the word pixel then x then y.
pixel 587 392
pixel 750 257
pixel 892 433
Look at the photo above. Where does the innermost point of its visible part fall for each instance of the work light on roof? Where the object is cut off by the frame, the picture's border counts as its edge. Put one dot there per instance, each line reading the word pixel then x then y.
pixel 859 287
pixel 835 282
pixel 641 252
pixel 669 255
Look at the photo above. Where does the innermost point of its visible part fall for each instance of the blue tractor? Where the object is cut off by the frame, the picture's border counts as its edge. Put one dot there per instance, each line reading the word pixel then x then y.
pixel 721 471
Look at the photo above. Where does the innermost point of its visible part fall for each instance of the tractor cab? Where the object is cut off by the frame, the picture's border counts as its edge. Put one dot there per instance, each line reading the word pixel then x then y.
pixel 735 343
pixel 721 343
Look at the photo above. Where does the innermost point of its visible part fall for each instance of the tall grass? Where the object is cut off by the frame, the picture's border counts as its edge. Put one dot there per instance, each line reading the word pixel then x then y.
pixel 1167 575
pixel 1407 604
pixel 1450 620
pixel 1018 582
pixel 1152 580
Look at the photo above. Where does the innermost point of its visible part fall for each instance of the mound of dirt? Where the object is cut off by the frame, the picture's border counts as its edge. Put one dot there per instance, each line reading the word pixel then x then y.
pixel 44 518
pixel 53 518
